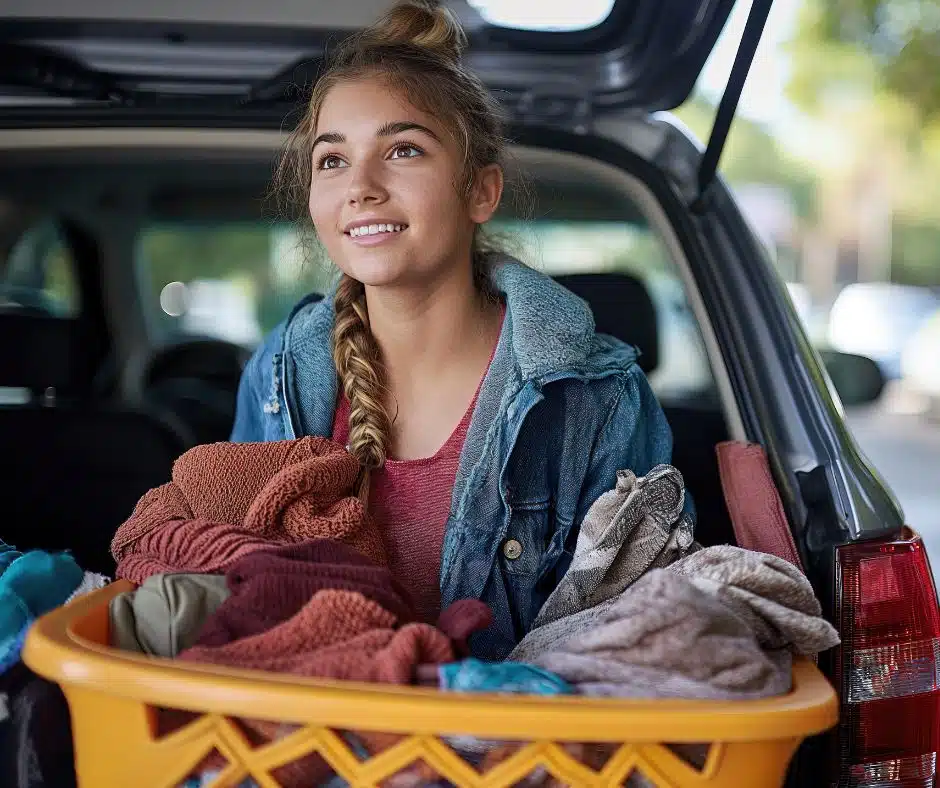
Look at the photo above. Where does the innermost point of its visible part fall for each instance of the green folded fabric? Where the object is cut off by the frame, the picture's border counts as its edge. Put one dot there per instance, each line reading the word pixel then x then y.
pixel 164 615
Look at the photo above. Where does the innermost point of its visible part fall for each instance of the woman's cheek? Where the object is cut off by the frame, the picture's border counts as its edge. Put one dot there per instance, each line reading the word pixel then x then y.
pixel 318 205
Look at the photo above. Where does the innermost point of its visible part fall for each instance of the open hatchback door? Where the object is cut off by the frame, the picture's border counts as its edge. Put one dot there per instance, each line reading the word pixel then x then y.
pixel 240 63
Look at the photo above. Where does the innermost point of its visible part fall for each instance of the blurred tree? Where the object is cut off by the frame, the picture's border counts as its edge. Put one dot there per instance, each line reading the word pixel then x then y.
pixel 915 259
pixel 868 73
pixel 753 155
pixel 837 76
pixel 900 37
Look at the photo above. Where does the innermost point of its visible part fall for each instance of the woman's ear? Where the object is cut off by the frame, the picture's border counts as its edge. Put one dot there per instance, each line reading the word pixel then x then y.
pixel 485 193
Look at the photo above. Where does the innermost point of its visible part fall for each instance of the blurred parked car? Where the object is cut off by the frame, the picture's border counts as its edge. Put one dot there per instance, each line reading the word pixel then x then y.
pixel 920 363
pixel 876 319
pixel 802 302
pixel 813 315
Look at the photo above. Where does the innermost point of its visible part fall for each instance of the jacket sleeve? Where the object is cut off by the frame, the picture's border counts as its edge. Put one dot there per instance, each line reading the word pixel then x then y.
pixel 254 390
pixel 635 436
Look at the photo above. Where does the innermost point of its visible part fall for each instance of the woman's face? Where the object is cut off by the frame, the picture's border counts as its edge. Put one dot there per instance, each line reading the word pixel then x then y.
pixel 383 193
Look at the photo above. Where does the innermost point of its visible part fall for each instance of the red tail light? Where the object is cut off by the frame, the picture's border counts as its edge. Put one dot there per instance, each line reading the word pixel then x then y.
pixel 888 670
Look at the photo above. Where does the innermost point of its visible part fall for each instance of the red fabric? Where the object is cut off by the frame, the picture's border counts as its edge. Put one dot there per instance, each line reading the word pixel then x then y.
pixel 461 619
pixel 270 586
pixel 754 504
pixel 245 494
pixel 199 546
pixel 339 635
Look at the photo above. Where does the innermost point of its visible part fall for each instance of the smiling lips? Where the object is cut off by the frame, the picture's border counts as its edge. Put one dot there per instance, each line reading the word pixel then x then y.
pixel 370 234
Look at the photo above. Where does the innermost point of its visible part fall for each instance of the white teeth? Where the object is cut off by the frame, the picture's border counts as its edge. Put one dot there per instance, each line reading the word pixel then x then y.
pixel 375 229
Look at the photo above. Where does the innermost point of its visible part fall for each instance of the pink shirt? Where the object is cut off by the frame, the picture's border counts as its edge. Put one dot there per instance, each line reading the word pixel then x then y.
pixel 410 501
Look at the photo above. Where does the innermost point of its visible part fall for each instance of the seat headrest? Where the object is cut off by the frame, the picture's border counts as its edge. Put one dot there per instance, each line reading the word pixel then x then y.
pixel 622 308
pixel 38 351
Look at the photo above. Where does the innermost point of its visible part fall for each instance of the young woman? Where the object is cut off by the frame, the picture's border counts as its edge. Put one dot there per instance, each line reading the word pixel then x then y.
pixel 487 414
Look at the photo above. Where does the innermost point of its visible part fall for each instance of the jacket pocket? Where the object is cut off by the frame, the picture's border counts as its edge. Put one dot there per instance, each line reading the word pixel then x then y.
pixel 522 555
pixel 527 537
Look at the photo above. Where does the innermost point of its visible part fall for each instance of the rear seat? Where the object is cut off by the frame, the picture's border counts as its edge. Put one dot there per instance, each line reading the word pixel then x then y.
pixel 72 469
pixel 623 309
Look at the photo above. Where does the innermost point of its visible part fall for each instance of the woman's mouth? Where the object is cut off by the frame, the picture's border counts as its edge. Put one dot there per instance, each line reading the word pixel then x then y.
pixel 371 234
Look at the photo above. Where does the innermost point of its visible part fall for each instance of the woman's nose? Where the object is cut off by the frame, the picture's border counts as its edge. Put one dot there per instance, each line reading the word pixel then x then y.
pixel 366 186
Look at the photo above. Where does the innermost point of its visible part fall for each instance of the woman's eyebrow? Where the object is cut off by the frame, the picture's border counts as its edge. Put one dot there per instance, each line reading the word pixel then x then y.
pixel 333 137
pixel 401 126
pixel 388 130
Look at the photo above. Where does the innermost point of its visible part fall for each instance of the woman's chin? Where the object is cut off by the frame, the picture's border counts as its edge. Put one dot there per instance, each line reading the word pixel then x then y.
pixel 399 271
pixel 375 273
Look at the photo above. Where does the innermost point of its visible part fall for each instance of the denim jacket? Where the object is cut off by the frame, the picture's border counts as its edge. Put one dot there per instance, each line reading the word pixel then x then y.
pixel 560 411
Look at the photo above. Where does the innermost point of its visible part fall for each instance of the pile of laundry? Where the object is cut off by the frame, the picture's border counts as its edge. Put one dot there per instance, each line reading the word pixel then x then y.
pixel 259 556
pixel 643 611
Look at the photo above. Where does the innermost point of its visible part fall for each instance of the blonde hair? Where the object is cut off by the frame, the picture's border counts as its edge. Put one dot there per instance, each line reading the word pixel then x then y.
pixel 416 47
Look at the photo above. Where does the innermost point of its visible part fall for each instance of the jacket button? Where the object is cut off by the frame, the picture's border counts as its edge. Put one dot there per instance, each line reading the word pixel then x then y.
pixel 512 549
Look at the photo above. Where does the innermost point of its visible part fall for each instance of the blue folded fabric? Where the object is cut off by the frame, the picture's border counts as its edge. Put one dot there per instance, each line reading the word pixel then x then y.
pixel 31 585
pixel 206 778
pixel 8 554
pixel 472 675
pixel 11 648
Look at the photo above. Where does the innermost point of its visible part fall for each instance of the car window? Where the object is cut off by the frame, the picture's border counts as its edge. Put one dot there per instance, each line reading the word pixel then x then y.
pixel 230 280
pixel 40 272
pixel 236 281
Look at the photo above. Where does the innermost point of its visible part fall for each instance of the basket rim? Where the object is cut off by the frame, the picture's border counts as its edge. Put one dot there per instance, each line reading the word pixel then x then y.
pixel 57 651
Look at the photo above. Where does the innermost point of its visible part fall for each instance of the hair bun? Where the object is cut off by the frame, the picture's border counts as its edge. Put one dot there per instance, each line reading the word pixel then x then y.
pixel 426 25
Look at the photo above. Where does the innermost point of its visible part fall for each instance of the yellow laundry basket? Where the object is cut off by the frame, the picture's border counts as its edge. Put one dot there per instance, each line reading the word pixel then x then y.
pixel 114 697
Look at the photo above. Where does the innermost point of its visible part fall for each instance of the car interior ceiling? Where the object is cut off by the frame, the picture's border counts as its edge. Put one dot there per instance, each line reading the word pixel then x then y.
pixel 78 461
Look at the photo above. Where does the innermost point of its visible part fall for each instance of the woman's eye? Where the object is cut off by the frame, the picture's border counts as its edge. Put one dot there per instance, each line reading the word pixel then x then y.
pixel 331 162
pixel 406 152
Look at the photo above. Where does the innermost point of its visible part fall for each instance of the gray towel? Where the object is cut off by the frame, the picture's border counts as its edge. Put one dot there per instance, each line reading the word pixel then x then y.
pixel 664 637
pixel 635 527
pixel 770 594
